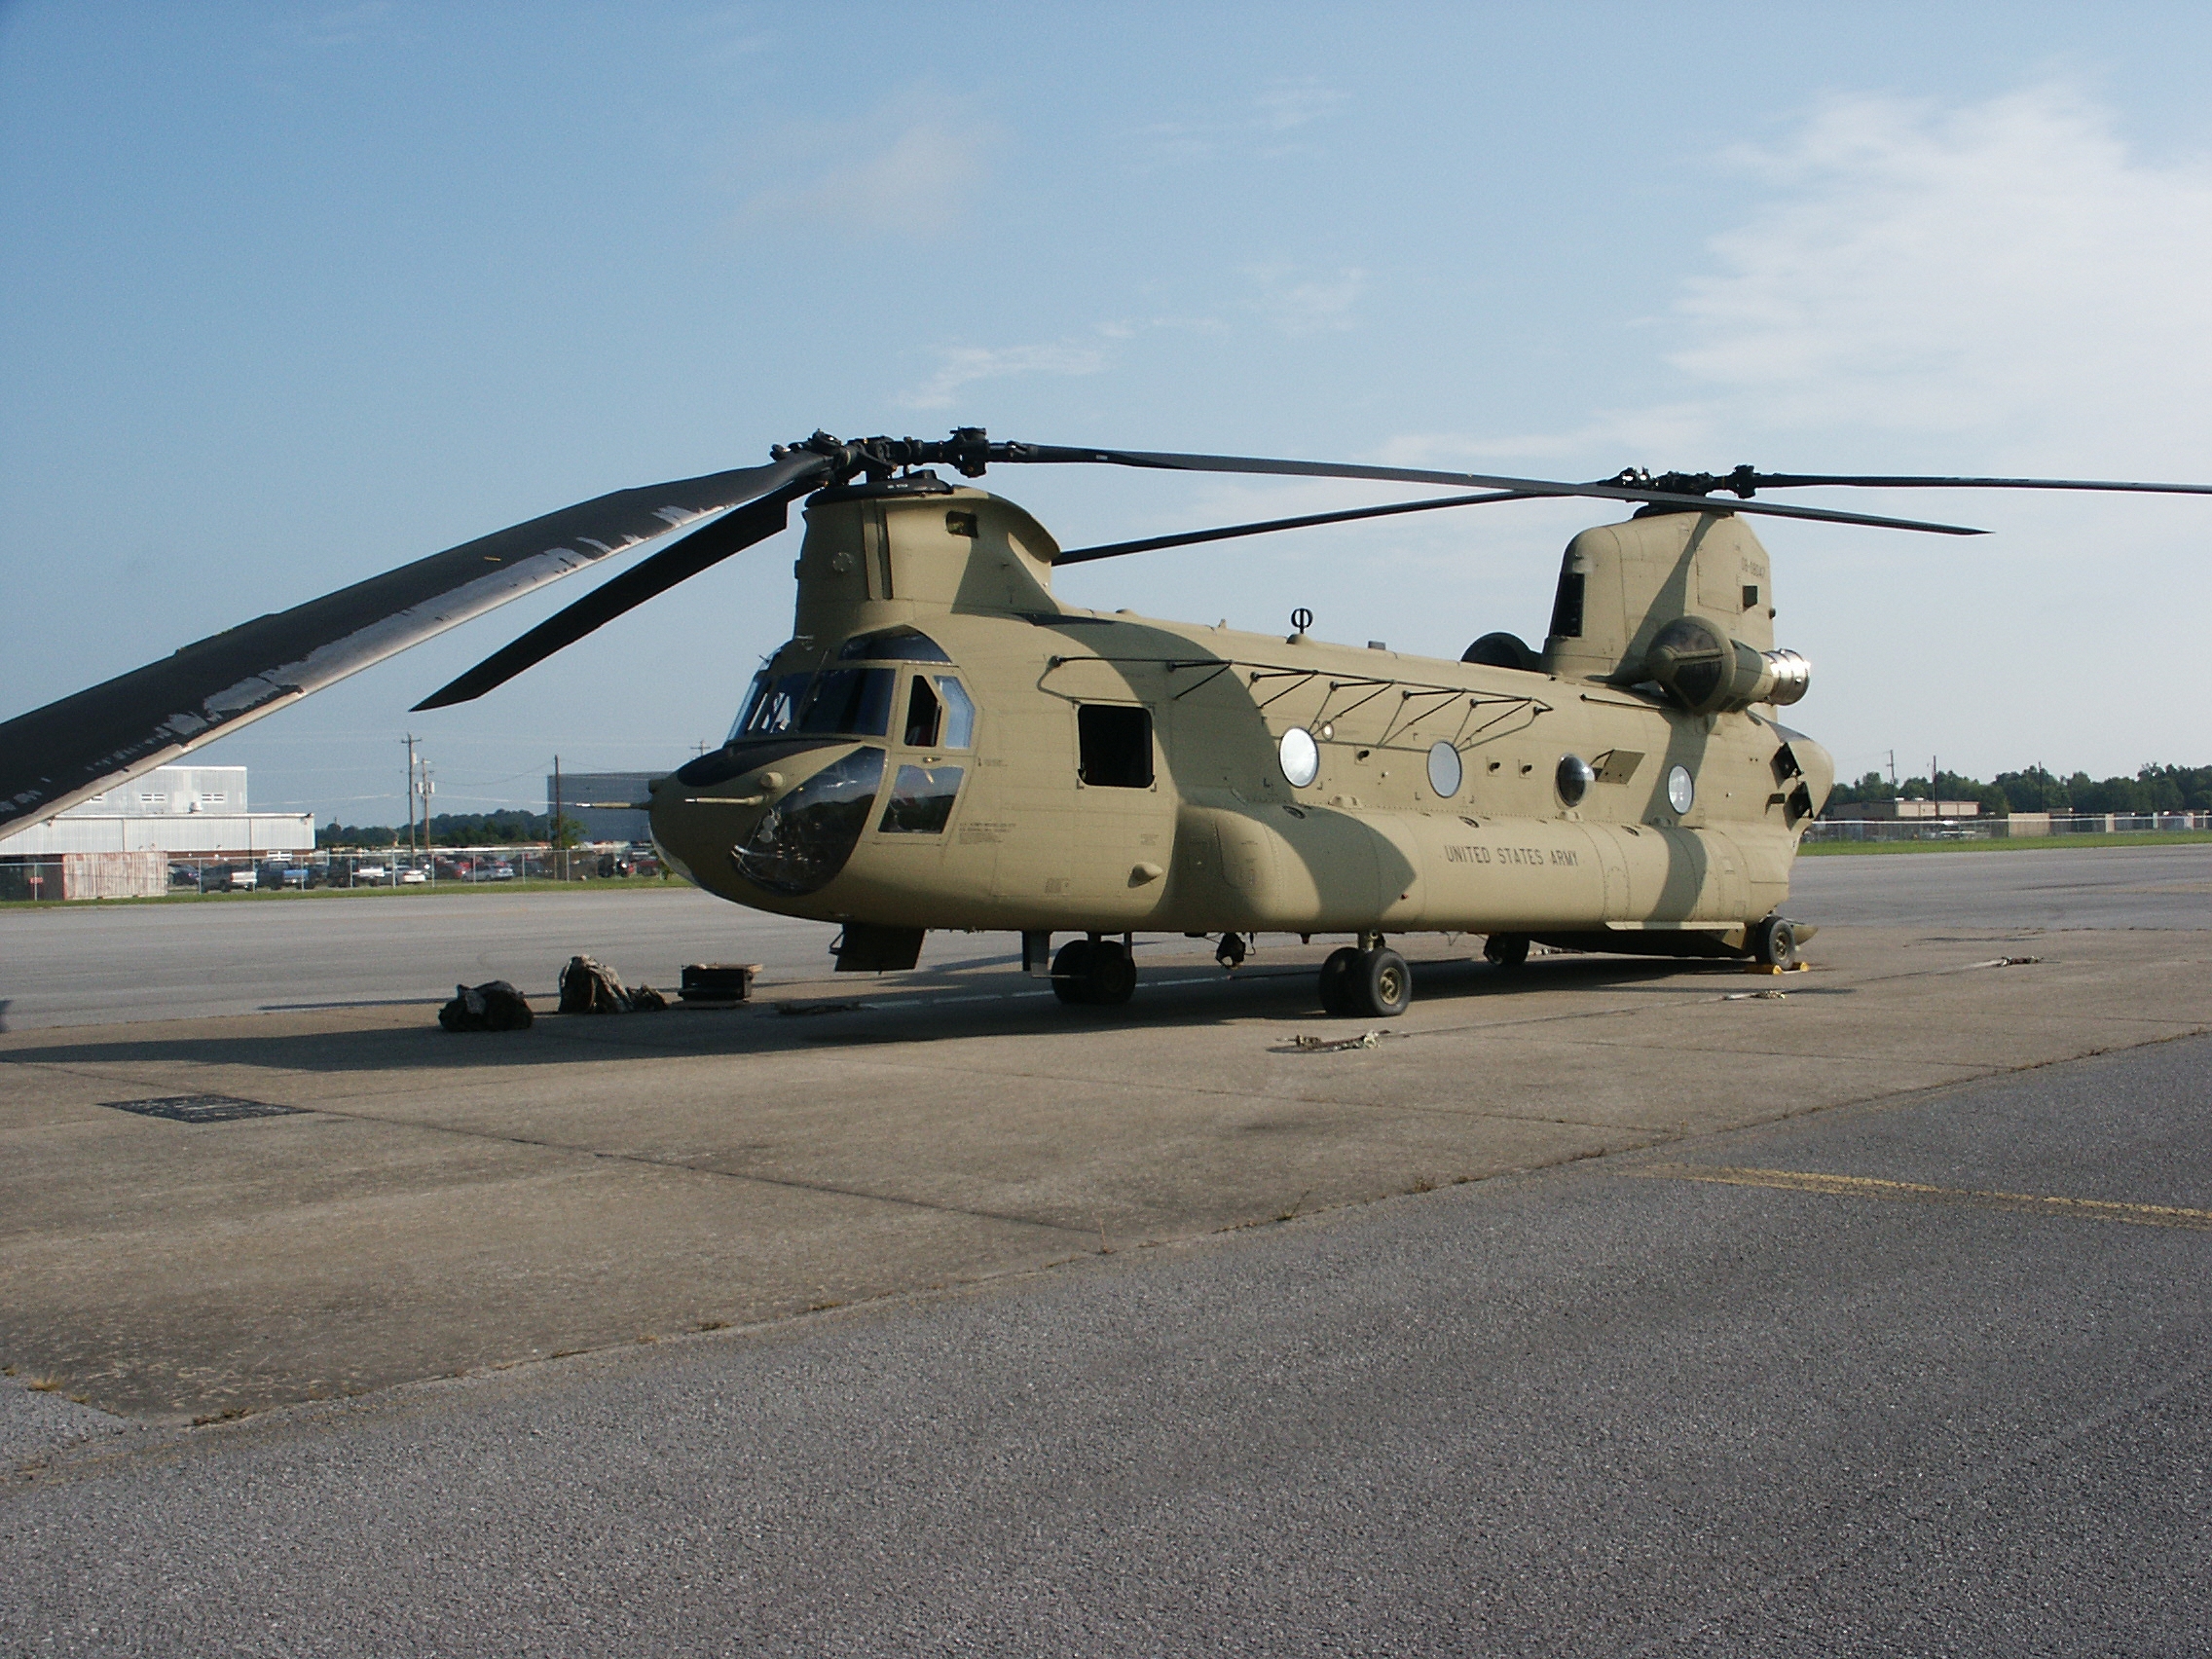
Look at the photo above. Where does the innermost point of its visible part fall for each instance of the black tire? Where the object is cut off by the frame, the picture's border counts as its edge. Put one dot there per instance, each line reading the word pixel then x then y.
pixel 1071 972
pixel 1505 951
pixel 1336 982
pixel 1381 985
pixel 1774 943
pixel 1109 976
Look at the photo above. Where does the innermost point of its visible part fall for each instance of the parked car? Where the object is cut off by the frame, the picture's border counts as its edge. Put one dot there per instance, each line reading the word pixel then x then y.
pixel 371 874
pixel 414 877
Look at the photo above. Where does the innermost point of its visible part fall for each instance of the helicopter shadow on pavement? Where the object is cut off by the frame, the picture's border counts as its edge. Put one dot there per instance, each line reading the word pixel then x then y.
pixel 813 1022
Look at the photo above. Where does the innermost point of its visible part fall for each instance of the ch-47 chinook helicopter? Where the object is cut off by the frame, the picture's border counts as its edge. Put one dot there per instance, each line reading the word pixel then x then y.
pixel 943 743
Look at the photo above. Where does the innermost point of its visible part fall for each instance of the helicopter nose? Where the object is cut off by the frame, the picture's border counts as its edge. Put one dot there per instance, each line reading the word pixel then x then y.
pixel 785 820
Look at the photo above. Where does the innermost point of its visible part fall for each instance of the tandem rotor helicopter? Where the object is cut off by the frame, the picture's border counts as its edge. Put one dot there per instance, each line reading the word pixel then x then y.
pixel 943 743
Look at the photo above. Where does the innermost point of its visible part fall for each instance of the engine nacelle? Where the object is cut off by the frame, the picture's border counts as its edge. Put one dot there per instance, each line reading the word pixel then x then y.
pixel 1709 672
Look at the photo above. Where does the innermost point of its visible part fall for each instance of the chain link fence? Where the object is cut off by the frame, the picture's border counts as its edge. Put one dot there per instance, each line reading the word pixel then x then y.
pixel 43 878
pixel 2020 825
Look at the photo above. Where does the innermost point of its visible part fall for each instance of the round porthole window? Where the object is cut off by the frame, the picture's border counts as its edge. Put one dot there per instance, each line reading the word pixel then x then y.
pixel 1574 777
pixel 1301 757
pixel 1444 770
pixel 1682 789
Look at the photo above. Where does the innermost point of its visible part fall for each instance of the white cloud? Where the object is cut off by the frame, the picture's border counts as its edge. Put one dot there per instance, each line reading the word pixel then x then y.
pixel 1259 126
pixel 1301 304
pixel 962 366
pixel 1289 104
pixel 2008 271
pixel 903 171
pixel 2004 281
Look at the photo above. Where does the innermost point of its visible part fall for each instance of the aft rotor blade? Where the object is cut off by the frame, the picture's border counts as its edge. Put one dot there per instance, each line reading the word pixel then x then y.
pixel 70 751
pixel 1165 461
pixel 1151 544
pixel 1800 480
pixel 704 547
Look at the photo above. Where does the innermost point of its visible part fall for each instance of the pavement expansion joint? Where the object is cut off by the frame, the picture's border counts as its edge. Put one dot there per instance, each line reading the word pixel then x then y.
pixel 681 1166
pixel 1916 1191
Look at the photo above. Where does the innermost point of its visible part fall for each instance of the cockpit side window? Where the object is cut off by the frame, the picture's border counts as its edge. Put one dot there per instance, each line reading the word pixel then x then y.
pixel 959 713
pixel 923 714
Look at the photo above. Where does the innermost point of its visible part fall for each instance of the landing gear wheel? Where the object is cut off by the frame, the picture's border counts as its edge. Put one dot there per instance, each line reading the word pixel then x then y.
pixel 1381 983
pixel 1071 972
pixel 1505 951
pixel 1109 976
pixel 1774 943
pixel 1336 982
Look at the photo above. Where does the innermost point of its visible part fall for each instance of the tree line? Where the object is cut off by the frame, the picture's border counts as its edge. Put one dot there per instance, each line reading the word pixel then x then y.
pixel 2153 788
pixel 510 828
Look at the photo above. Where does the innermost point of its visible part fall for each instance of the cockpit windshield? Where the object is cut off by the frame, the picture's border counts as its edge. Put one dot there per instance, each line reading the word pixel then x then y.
pixel 856 702
pixel 852 702
pixel 838 702
pixel 771 709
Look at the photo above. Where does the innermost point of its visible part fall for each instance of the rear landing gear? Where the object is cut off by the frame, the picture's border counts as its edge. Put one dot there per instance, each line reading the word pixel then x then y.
pixel 1093 973
pixel 1374 983
pixel 1505 951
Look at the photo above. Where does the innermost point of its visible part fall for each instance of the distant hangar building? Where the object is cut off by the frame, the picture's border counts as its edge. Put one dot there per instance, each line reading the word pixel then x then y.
pixel 605 806
pixel 119 845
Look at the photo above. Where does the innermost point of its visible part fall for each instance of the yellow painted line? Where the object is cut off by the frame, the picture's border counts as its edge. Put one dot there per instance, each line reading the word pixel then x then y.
pixel 1868 1187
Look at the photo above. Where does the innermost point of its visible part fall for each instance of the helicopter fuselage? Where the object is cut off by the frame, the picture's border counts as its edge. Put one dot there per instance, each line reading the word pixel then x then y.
pixel 943 746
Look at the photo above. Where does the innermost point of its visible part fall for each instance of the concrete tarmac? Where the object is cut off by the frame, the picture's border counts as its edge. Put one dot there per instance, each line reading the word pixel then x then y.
pixel 2014 887
pixel 1920 1377
pixel 1606 1306
pixel 89 966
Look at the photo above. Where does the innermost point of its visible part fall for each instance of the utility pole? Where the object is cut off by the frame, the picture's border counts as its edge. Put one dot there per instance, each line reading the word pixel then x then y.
pixel 1893 771
pixel 554 828
pixel 410 741
pixel 428 788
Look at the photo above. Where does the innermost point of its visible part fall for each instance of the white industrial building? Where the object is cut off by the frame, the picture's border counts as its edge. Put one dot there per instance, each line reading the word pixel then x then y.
pixel 119 845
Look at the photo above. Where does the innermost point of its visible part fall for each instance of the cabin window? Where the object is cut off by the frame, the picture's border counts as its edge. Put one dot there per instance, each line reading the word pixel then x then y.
pixel 1751 596
pixel 892 645
pixel 921 800
pixel 1115 741
pixel 940 714
pixel 1566 606
pixel 853 702
pixel 772 706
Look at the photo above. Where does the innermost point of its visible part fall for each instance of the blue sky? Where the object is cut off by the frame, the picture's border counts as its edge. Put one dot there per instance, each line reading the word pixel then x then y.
pixel 291 295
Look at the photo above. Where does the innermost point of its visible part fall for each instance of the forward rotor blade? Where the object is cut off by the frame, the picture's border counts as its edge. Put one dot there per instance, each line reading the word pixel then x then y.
pixel 1115 549
pixel 72 750
pixel 706 546
pixel 1165 462
pixel 1800 480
